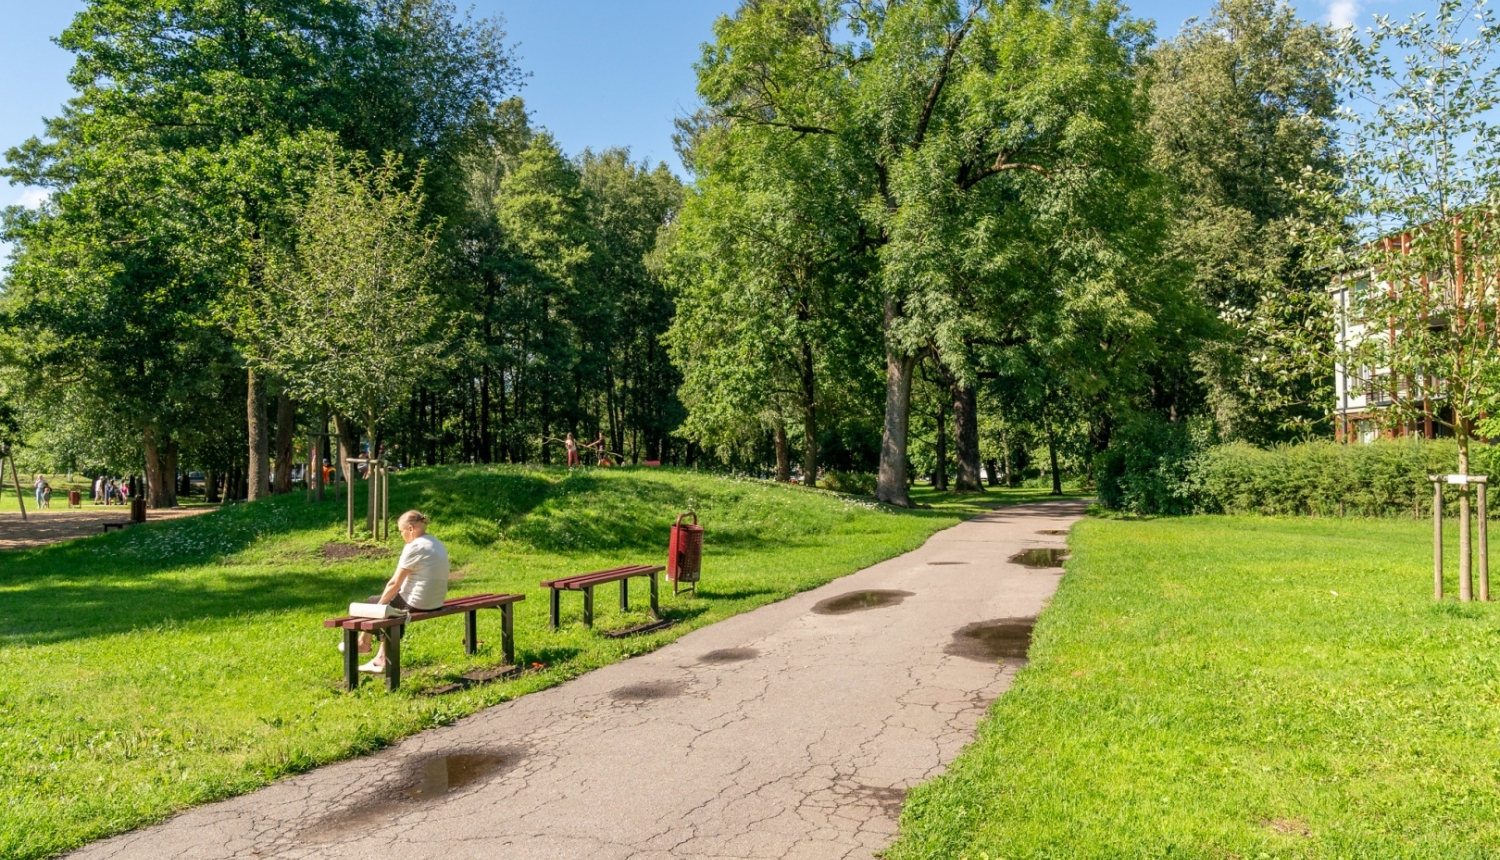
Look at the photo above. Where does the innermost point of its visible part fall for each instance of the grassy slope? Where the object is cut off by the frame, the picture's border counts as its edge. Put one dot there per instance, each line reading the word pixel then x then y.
pixel 1237 687
pixel 145 671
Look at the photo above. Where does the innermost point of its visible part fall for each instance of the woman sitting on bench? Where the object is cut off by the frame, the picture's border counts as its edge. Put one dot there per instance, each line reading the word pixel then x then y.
pixel 419 583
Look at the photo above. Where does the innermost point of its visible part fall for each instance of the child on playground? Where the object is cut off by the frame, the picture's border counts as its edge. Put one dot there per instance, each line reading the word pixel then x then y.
pixel 599 450
pixel 420 581
pixel 572 445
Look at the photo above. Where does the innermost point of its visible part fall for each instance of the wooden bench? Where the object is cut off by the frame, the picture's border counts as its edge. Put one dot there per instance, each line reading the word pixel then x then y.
pixel 119 525
pixel 390 630
pixel 585 583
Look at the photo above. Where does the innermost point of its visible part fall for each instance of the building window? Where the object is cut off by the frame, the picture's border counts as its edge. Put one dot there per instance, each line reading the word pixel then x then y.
pixel 1367 430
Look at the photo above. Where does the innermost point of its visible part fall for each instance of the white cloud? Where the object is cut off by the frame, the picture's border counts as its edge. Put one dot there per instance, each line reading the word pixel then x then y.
pixel 31 197
pixel 1343 13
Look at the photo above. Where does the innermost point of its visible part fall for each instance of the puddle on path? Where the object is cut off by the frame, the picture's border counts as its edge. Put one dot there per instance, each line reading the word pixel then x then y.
pixel 1053 532
pixel 859 601
pixel 649 691
pixel 435 778
pixel 936 563
pixel 447 773
pixel 729 655
pixel 995 641
pixel 1041 557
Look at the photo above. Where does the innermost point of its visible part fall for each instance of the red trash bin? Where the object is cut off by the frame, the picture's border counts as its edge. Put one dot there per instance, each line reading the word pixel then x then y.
pixel 685 553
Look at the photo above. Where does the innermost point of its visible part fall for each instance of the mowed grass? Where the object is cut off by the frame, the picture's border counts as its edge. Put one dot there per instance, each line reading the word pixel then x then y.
pixel 1220 687
pixel 181 662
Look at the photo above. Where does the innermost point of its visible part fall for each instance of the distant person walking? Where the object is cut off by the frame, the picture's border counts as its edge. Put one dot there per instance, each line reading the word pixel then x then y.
pixel 98 489
pixel 40 486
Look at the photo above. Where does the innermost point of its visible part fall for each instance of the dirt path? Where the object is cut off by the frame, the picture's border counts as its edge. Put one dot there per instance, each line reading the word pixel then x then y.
pixel 792 731
pixel 59 524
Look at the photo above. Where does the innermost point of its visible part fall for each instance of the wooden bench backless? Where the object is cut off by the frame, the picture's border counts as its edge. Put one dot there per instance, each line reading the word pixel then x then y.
pixel 390 630
pixel 585 583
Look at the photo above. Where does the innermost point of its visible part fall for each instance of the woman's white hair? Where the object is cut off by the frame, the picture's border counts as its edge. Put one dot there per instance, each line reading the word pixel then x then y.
pixel 411 517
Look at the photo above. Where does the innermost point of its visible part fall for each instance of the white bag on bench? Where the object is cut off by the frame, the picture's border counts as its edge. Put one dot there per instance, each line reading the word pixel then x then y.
pixel 374 610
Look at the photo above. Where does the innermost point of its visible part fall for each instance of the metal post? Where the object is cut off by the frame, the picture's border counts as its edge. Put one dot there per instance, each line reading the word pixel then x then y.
pixel 351 659
pixel 393 656
pixel 1484 538
pixel 655 611
pixel 471 631
pixel 625 595
pixel 556 609
pixel 508 633
pixel 385 502
pixel 588 606
pixel 1465 546
pixel 1437 537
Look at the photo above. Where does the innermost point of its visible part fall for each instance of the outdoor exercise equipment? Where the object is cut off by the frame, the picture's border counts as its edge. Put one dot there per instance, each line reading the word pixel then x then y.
pixel 685 553
pixel 1465 542
pixel 16 477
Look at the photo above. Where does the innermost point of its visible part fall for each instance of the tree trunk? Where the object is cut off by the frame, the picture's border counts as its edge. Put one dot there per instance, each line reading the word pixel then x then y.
pixel 161 470
pixel 809 418
pixel 486 443
pixel 286 441
pixel 1465 553
pixel 783 456
pixel 891 486
pixel 1052 455
pixel 211 486
pixel 348 441
pixel 992 471
pixel 940 474
pixel 259 476
pixel 966 439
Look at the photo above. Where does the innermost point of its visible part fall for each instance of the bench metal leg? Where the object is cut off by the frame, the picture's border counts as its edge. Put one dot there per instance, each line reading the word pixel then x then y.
pixel 624 595
pixel 588 606
pixel 655 610
pixel 351 659
pixel 508 633
pixel 556 608
pixel 393 657
pixel 471 631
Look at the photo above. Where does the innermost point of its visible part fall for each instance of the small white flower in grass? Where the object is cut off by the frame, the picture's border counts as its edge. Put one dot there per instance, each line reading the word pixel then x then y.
pixel 1334 593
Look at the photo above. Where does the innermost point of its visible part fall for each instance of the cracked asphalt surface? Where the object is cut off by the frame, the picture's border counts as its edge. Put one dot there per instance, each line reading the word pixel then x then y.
pixel 780 733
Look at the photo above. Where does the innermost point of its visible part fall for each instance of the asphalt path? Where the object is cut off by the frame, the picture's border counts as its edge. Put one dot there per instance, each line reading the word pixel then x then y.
pixel 792 731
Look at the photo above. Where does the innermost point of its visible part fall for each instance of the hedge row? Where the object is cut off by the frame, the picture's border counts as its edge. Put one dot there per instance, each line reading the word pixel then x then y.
pixel 1162 471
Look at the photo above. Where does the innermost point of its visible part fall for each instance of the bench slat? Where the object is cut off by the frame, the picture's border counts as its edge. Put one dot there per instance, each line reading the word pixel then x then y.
pixel 587 579
pixel 452 607
pixel 562 581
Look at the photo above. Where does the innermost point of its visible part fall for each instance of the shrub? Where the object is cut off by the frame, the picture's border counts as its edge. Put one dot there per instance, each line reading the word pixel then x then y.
pixel 1159 470
pixel 854 483
pixel 1145 468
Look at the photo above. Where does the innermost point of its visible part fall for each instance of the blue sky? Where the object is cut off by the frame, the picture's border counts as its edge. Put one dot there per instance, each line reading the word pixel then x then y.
pixel 603 72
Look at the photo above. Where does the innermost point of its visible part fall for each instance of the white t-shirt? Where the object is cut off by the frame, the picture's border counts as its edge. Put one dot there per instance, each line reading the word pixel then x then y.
pixel 427 585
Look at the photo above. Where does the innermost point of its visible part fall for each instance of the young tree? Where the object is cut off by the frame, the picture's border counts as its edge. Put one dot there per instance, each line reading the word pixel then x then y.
pixel 1418 179
pixel 350 315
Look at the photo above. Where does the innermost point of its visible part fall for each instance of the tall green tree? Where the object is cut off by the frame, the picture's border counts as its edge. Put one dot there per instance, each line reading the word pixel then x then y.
pixel 931 102
pixel 1242 104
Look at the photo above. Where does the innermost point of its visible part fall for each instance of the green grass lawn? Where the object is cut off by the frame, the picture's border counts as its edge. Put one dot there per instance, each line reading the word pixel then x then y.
pixel 1217 687
pixel 180 662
